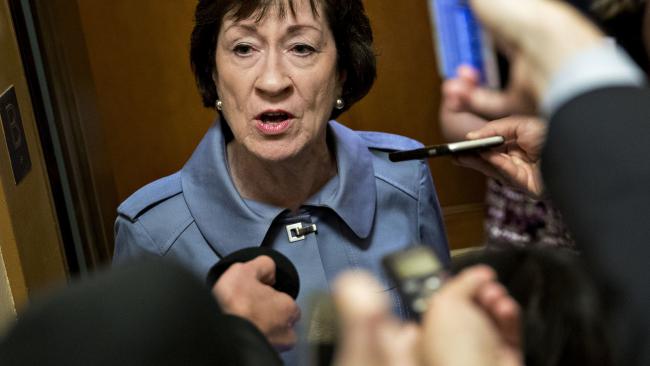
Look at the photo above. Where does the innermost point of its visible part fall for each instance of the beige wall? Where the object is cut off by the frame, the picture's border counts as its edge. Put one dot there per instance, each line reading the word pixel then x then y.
pixel 138 52
pixel 29 238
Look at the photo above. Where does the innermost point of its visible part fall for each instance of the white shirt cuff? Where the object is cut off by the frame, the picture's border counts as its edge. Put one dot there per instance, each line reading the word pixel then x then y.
pixel 603 65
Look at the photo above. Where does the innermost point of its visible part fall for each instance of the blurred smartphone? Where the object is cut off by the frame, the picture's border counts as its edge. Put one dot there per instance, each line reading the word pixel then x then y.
pixel 454 148
pixel 460 40
pixel 417 273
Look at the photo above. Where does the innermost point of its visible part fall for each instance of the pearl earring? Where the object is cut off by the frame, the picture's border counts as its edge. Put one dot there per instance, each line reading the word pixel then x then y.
pixel 339 104
pixel 219 104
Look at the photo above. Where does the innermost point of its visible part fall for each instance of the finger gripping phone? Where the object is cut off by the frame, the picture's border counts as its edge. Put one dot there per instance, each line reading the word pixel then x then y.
pixel 417 273
pixel 453 148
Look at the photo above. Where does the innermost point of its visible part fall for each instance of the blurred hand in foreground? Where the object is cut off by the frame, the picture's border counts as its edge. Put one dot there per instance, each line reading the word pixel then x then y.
pixel 471 321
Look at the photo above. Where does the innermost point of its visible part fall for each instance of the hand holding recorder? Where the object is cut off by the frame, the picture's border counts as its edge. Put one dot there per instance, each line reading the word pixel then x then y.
pixel 470 321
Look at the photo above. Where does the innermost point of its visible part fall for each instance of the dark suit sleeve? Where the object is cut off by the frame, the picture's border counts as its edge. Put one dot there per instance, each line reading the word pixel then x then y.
pixel 596 167
pixel 146 313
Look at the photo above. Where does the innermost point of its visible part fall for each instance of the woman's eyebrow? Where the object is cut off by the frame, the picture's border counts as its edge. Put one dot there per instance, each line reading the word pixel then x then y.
pixel 247 28
pixel 297 28
pixel 292 30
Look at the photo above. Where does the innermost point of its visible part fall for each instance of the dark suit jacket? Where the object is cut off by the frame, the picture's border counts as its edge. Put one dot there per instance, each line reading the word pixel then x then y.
pixel 146 313
pixel 596 165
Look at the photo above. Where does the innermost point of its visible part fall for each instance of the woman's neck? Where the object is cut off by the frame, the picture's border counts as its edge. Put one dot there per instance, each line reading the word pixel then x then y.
pixel 287 183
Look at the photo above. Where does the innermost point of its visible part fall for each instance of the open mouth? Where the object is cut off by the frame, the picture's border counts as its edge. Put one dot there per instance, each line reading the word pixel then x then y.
pixel 274 116
pixel 274 122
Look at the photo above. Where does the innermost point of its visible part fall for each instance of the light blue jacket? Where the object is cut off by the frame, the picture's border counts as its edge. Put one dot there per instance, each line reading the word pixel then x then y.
pixel 371 208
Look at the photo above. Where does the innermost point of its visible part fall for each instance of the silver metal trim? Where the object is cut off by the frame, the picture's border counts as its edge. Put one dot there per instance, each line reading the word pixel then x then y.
pixel 290 234
pixel 485 142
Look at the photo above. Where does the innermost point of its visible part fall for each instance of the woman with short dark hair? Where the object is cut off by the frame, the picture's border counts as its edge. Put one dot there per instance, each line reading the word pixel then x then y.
pixel 346 19
pixel 275 170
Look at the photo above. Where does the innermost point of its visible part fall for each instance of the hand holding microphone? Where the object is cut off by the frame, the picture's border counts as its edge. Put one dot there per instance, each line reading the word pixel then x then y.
pixel 260 285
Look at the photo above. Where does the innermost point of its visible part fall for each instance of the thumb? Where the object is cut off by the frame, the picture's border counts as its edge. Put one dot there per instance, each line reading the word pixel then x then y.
pixel 506 127
pixel 264 269
pixel 467 283
pixel 358 297
pixel 489 103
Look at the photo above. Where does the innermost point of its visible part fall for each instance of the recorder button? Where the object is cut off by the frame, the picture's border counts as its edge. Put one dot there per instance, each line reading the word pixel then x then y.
pixel 432 284
pixel 411 286
pixel 419 305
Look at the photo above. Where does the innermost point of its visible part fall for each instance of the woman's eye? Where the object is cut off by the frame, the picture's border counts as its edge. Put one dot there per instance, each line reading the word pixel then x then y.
pixel 243 49
pixel 303 50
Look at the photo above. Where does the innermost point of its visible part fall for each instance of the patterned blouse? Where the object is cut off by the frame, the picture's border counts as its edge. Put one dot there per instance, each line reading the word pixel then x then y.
pixel 514 220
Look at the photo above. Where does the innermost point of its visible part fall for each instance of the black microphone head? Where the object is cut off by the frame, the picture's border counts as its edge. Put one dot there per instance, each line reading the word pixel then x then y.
pixel 286 275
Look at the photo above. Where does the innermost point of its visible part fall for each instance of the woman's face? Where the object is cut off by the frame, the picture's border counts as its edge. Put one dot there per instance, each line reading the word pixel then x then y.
pixel 278 81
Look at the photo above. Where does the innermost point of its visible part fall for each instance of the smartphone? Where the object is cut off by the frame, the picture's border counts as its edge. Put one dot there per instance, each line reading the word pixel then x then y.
pixel 417 273
pixel 460 40
pixel 454 148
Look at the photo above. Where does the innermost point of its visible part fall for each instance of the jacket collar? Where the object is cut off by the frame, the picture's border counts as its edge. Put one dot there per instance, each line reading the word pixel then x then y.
pixel 352 194
pixel 229 223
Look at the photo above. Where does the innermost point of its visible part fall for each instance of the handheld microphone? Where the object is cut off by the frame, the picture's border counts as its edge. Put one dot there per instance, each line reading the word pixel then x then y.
pixel 286 275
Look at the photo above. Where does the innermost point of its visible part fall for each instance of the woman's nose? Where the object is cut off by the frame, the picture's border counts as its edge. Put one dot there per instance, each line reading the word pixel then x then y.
pixel 273 79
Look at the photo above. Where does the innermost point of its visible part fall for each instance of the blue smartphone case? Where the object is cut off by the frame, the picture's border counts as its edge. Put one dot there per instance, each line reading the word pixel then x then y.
pixel 459 40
